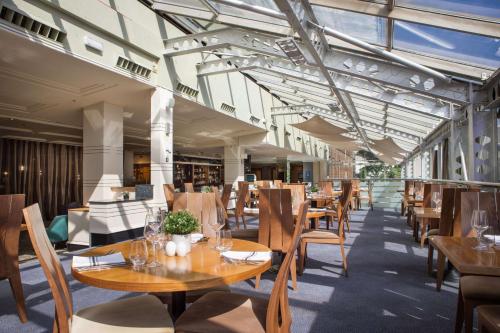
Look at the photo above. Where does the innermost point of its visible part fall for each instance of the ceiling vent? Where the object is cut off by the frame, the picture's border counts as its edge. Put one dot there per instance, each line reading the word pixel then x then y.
pixel 227 108
pixel 31 25
pixel 186 90
pixel 133 68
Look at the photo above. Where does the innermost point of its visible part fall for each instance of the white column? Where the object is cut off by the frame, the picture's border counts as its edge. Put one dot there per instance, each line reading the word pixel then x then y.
pixel 102 151
pixel 323 169
pixel 234 168
pixel 316 177
pixel 128 166
pixel 162 107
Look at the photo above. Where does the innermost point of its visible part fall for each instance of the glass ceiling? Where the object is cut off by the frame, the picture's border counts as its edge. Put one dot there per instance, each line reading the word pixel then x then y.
pixel 408 123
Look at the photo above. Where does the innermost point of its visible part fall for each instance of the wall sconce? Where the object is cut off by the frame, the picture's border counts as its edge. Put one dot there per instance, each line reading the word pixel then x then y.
pixel 21 168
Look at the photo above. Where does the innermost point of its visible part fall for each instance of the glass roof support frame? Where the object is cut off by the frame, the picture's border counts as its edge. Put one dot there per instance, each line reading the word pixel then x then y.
pixel 390 25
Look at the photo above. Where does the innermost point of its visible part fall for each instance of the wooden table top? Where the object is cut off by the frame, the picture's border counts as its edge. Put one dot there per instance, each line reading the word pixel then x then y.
pixel 202 268
pixel 421 212
pixel 460 252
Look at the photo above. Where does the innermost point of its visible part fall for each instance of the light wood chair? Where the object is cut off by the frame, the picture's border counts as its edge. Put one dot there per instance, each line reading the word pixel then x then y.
pixel 298 192
pixel 226 195
pixel 203 206
pixel 276 225
pixel 221 312
pixel 11 216
pixel 188 187
pixel 429 189
pixel 277 183
pixel 239 210
pixel 367 195
pixel 409 184
pixel 169 191
pixel 141 313
pixel 327 236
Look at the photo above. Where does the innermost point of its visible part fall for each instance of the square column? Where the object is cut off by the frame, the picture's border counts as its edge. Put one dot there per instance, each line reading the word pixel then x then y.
pixel 234 167
pixel 102 151
pixel 162 108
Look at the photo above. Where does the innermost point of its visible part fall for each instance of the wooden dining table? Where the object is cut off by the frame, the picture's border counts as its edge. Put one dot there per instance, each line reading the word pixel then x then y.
pixel 202 268
pixel 422 216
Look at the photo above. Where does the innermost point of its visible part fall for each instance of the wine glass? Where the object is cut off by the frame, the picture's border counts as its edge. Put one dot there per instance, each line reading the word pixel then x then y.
pixel 480 224
pixel 138 253
pixel 151 233
pixel 218 223
pixel 226 241
pixel 436 198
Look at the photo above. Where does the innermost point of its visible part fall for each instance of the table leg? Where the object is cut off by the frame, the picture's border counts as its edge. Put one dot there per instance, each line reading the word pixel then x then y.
pixel 178 303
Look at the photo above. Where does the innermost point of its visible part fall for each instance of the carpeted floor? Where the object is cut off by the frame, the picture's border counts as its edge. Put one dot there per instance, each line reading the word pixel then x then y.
pixel 387 290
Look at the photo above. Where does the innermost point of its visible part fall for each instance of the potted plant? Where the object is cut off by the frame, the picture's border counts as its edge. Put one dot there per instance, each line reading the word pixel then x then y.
pixel 180 225
pixel 314 189
pixel 206 189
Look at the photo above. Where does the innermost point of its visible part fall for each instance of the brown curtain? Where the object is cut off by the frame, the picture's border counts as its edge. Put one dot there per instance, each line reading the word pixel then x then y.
pixel 445 173
pixel 46 173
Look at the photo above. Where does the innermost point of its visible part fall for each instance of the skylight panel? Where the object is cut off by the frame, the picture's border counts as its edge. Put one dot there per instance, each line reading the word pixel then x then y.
pixel 482 8
pixel 369 28
pixel 468 48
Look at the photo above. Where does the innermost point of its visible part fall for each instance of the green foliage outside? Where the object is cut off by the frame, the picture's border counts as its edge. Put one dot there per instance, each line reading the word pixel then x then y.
pixel 180 223
pixel 377 169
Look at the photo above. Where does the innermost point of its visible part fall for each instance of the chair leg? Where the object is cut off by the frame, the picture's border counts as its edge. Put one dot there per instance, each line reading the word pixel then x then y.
pixel 348 224
pixel 257 281
pixel 423 234
pixel 17 290
pixel 244 222
pixel 293 273
pixel 302 256
pixel 430 259
pixel 440 270
pixel 459 318
pixel 344 259
pixel 237 220
pixel 468 316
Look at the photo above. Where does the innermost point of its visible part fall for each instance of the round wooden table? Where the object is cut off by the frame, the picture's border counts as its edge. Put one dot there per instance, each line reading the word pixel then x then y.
pixel 202 268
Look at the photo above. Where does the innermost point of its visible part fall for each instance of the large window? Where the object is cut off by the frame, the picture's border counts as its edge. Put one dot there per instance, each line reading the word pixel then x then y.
pixel 483 8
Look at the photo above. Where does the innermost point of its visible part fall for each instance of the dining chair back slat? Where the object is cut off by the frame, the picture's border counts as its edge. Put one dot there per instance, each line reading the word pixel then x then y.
pixel 242 198
pixel 52 268
pixel 275 219
pixel 488 201
pixel 188 187
pixel 409 184
pixel 278 183
pixel 226 195
pixel 326 186
pixel 169 191
pixel 343 207
pixel 202 206
pixel 298 192
pixel 278 317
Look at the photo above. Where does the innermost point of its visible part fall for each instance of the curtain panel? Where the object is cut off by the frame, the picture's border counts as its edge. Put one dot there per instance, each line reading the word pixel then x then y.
pixel 48 174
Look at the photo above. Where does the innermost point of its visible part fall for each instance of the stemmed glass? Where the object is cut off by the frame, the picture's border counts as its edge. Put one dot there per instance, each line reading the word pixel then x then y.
pixel 226 241
pixel 480 224
pixel 152 233
pixel 436 198
pixel 218 224
pixel 138 253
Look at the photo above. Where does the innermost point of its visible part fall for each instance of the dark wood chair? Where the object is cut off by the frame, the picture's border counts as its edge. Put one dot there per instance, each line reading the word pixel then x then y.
pixel 429 189
pixel 148 314
pixel 221 312
pixel 276 225
pixel 327 236
pixel 409 184
pixel 488 318
pixel 169 191
pixel 239 210
pixel 188 187
pixel 11 216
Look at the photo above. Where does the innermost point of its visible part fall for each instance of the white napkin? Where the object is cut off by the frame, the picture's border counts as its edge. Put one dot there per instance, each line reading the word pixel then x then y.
pixel 195 237
pixel 493 238
pixel 247 255
pixel 114 259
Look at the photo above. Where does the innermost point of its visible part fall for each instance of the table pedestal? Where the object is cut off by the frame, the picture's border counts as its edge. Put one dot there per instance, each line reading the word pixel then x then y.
pixel 178 303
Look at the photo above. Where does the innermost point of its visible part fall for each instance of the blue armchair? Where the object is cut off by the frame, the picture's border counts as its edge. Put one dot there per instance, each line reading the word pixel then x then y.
pixel 58 229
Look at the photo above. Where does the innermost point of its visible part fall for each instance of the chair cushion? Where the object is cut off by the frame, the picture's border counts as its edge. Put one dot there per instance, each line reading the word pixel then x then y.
pixel 319 234
pixel 489 318
pixel 481 287
pixel 136 314
pixel 220 312
pixel 248 234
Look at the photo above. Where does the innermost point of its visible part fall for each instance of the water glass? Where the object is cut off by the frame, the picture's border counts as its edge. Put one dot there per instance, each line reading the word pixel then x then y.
pixel 138 253
pixel 480 224
pixel 152 232
pixel 225 241
pixel 436 199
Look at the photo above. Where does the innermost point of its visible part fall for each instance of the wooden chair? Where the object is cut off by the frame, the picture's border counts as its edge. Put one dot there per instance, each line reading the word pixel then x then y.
pixel 356 193
pixel 327 236
pixel 367 195
pixel 326 186
pixel 429 189
pixel 276 225
pixel 408 184
pixel 169 191
pixel 298 192
pixel 473 291
pixel 226 195
pixel 202 205
pixel 488 318
pixel 188 187
pixel 277 183
pixel 141 313
pixel 238 211
pixel 10 227
pixel 334 210
pixel 221 312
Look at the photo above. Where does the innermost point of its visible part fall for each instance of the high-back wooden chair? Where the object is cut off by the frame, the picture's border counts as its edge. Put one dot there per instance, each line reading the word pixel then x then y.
pixel 203 206
pixel 239 209
pixel 263 183
pixel 328 236
pixel 409 185
pixel 326 186
pixel 225 312
pixel 429 189
pixel 276 224
pixel 277 183
pixel 488 201
pixel 188 187
pixel 298 194
pixel 226 195
pixel 11 216
pixel 356 189
pixel 149 313
pixel 169 191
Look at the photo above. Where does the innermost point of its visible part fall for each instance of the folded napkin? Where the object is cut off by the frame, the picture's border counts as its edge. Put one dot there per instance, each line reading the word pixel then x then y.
pixel 493 238
pixel 196 237
pixel 317 209
pixel 247 255
pixel 114 259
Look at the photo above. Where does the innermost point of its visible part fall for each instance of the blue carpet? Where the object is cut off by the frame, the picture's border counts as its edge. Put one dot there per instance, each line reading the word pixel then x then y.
pixel 387 290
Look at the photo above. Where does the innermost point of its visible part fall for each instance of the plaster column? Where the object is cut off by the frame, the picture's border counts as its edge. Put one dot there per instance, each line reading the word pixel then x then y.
pixel 234 168
pixel 162 107
pixel 102 151
pixel 323 169
pixel 315 172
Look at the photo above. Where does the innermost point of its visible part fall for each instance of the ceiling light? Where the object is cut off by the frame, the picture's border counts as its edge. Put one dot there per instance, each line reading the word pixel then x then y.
pixel 292 50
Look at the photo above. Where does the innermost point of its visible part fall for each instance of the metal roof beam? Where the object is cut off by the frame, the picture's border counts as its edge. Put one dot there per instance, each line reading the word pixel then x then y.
pixel 242 41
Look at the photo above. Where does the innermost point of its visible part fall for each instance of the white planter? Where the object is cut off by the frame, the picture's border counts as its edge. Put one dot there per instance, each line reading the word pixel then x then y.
pixel 184 239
